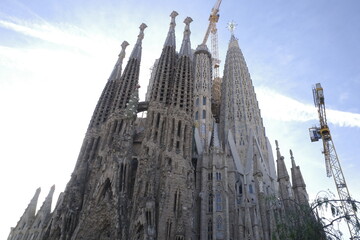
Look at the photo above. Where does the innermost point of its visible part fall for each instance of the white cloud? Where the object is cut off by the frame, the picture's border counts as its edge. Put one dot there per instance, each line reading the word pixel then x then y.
pixel 62 34
pixel 277 106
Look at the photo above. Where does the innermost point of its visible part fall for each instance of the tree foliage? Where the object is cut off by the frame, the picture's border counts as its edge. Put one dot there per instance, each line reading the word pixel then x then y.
pixel 320 220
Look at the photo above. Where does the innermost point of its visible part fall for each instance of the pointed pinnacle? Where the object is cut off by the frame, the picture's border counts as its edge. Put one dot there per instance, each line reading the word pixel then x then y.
pixel 293 165
pixel 278 154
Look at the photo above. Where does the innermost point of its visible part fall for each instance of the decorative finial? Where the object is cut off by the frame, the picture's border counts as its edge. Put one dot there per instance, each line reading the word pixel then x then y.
pixel 293 164
pixel 124 44
pixel 143 26
pixel 141 34
pixel 277 144
pixel 188 20
pixel 231 26
pixel 173 14
pixel 123 47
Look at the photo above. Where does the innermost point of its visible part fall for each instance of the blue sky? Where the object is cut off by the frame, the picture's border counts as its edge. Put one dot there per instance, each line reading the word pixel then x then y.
pixel 55 58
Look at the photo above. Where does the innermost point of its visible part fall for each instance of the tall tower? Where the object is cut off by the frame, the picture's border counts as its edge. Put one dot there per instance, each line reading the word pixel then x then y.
pixel 242 134
pixel 165 170
pixel 99 183
pixel 202 98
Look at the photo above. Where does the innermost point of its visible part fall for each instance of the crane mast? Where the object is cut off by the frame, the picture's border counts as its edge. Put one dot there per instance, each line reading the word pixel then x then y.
pixel 213 19
pixel 332 163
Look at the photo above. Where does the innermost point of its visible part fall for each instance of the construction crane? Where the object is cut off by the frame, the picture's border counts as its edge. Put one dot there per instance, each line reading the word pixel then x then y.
pixel 332 163
pixel 213 19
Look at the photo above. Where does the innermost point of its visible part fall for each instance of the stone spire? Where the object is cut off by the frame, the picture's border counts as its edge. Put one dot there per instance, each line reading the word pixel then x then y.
pixel 130 76
pixel 185 49
pixel 298 183
pixel 293 165
pixel 136 53
pixel 26 219
pixel 239 112
pixel 281 168
pixel 163 79
pixel 31 209
pixel 45 209
pixel 42 218
pixel 116 73
pixel 170 39
pixel 285 190
pixel 103 106
pixel 121 58
pixel 183 80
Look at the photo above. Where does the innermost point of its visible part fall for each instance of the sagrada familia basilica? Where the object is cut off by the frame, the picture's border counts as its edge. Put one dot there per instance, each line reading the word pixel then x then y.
pixel 198 166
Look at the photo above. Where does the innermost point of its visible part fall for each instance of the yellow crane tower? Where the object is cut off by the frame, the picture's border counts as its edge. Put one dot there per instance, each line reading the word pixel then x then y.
pixel 213 19
pixel 332 163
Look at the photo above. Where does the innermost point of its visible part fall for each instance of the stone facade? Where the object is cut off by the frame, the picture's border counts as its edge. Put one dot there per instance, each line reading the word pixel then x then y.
pixel 199 166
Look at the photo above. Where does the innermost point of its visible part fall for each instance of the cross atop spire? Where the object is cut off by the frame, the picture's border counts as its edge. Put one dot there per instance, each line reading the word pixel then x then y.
pixel 231 27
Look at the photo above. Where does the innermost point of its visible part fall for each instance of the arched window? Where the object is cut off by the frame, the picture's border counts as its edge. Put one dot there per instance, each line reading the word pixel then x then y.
pixel 240 188
pixel 197 115
pixel 218 176
pixel 204 100
pixel 210 230
pixel 218 202
pixel 251 190
pixel 210 202
pixel 204 114
pixel 197 102
pixel 219 224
